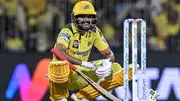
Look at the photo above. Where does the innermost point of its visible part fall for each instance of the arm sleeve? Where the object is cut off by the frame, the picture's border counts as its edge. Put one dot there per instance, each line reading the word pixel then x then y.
pixel 64 37
pixel 100 42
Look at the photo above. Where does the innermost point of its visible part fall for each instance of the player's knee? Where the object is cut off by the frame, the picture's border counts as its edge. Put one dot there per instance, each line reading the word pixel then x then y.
pixel 116 67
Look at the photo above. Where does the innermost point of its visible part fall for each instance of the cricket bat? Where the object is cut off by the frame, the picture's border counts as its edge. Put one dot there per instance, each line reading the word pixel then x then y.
pixel 101 90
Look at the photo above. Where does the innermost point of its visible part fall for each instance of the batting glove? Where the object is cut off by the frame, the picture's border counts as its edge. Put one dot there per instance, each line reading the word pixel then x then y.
pixel 105 68
pixel 89 65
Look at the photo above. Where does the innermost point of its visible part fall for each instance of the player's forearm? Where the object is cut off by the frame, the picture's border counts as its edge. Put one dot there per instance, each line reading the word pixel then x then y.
pixel 69 58
pixel 62 50
pixel 108 54
pixel 111 57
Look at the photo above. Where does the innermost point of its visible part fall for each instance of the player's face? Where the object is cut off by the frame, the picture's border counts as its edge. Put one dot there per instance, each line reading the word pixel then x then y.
pixel 86 22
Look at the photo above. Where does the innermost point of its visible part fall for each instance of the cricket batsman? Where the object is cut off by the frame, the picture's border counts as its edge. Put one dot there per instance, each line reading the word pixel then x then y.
pixel 74 43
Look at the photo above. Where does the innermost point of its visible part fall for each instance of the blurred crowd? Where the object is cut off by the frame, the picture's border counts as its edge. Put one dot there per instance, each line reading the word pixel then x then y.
pixel 33 25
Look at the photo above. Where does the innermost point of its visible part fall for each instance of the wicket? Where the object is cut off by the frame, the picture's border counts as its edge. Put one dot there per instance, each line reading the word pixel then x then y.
pixel 139 86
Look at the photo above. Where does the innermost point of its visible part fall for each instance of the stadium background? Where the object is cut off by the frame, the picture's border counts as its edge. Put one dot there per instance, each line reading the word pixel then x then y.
pixel 28 29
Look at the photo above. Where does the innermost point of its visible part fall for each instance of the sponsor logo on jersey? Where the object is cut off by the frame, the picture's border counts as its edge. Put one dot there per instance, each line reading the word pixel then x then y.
pixel 66 35
pixel 84 53
pixel 75 44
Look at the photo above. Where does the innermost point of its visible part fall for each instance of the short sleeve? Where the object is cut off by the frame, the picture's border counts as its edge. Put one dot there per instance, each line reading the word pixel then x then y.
pixel 64 37
pixel 100 42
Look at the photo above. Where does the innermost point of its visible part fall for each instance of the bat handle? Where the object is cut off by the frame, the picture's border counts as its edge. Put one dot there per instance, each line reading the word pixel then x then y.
pixel 63 59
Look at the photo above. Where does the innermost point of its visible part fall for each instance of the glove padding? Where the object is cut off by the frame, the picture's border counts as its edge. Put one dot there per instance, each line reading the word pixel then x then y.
pixel 89 65
pixel 104 69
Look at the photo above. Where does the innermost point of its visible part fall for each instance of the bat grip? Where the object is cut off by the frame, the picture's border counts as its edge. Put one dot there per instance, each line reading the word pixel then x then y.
pixel 63 59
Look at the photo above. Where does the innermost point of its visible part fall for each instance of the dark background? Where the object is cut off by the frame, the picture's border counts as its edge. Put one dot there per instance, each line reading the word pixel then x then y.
pixel 33 25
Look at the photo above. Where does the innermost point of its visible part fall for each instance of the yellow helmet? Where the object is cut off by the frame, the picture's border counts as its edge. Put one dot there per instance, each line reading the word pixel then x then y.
pixel 84 7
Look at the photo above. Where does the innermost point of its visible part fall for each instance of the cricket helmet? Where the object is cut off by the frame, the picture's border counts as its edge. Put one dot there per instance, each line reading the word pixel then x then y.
pixel 84 16
pixel 84 7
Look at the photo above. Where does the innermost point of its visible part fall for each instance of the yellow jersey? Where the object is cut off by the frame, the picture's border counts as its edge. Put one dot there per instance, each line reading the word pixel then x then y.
pixel 79 45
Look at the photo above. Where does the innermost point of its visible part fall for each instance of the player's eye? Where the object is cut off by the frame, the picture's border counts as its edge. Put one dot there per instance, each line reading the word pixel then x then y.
pixel 81 20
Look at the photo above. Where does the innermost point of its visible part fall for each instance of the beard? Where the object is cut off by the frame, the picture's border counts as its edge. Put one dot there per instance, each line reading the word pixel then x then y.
pixel 85 27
